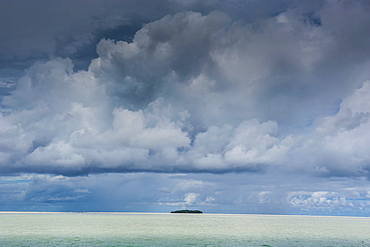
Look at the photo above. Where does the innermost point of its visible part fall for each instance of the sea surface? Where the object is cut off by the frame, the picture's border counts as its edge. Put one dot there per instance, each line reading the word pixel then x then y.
pixel 148 229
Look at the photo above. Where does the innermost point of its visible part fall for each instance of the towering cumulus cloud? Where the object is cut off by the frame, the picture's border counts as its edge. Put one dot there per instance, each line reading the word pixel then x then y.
pixel 190 93
pixel 211 87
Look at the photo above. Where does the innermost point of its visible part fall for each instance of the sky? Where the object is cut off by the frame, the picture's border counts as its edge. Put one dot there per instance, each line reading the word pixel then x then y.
pixel 240 106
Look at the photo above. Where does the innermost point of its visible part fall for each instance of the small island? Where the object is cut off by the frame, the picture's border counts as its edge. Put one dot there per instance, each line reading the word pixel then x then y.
pixel 185 211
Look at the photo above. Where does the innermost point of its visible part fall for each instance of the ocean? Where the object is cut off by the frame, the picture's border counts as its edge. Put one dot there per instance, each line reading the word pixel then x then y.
pixel 150 229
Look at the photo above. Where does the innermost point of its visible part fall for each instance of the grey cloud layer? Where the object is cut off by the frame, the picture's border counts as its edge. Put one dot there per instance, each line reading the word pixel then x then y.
pixel 148 192
pixel 202 93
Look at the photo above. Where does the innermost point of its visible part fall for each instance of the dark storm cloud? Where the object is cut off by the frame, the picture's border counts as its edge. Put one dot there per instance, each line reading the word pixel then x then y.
pixel 34 31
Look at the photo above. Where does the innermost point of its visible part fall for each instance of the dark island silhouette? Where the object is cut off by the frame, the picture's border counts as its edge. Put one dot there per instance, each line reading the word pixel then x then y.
pixel 186 211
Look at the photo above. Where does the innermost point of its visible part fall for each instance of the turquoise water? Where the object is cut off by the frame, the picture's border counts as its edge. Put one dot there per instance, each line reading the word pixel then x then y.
pixel 137 229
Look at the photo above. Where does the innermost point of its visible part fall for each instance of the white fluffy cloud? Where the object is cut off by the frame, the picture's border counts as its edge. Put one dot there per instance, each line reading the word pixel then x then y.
pixel 339 143
pixel 247 147
pixel 78 122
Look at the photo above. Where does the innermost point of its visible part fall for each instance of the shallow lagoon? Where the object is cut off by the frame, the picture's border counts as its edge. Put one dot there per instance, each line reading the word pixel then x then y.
pixel 146 229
